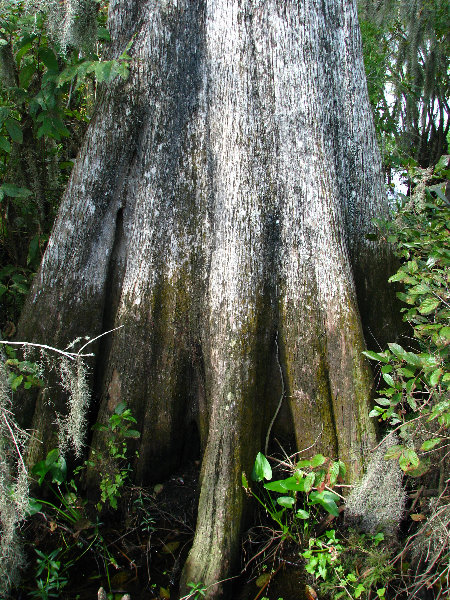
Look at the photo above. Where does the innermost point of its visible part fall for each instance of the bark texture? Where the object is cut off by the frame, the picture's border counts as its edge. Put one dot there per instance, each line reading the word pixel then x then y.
pixel 220 203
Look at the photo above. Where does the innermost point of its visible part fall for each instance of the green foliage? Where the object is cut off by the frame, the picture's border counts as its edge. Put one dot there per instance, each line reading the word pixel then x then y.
pixel 54 579
pixel 353 568
pixel 198 590
pixel 21 372
pixel 312 478
pixel 46 94
pixel 112 463
pixel 67 511
pixel 406 50
pixel 416 399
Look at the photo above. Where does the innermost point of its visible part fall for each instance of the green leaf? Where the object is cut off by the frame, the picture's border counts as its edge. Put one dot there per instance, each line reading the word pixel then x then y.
pixel 429 444
pixel 400 352
pixel 383 401
pixel 103 70
pixel 244 481
pixel 376 356
pixel 317 460
pixel 327 500
pixel 16 382
pixel 308 482
pixel 359 590
pixel 103 34
pixel 399 276
pixel 435 376
pixel 302 514
pixel 262 469
pixel 388 379
pixel 286 501
pixel 14 130
pixel 275 486
pixel 429 305
pixel 14 191
pixel 25 74
pixel 444 332
pixel 4 144
pixel 132 433
pixel 49 59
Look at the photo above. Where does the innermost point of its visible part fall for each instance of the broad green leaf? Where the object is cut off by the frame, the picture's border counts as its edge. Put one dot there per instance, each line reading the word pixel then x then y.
pixel 262 469
pixel 308 482
pixel 388 379
pixel 302 514
pixel 383 401
pixel 435 376
pixel 398 351
pixel 326 500
pixel 52 457
pixel 399 276
pixel 376 412
pixel 429 444
pixel 286 501
pixel 16 382
pixel 132 433
pixel 413 359
pixel 49 59
pixel 103 34
pixel 25 74
pixel 406 372
pixel 317 460
pixel 411 456
pixel 334 473
pixel 14 130
pixel 376 356
pixel 422 468
pixel 429 305
pixel 275 486
pixel 294 484
pixel 444 332
pixel 103 70
pixel 4 144
pixel 67 74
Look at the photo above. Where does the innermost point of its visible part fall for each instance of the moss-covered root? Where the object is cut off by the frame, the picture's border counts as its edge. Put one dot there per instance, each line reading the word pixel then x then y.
pixel 233 439
pixel 216 541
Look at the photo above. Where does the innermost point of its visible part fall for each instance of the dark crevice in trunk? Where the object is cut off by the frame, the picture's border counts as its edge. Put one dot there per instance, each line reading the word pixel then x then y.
pixel 116 271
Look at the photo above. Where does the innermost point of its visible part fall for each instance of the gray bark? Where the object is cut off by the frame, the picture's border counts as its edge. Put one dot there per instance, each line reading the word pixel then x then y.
pixel 220 202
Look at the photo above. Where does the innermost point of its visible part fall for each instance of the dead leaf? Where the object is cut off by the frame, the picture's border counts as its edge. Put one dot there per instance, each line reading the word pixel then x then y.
pixel 310 593
pixel 164 593
pixel 263 580
pixel 170 547
pixel 418 517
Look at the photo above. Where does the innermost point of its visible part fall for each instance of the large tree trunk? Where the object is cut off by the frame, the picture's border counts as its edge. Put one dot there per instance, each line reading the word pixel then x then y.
pixel 218 211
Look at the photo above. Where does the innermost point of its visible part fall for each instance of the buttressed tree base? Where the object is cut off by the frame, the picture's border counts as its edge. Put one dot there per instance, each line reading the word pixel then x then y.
pixel 218 212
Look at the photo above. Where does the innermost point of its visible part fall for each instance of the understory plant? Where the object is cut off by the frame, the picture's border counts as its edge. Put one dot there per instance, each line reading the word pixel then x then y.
pixel 293 502
pixel 356 566
pixel 413 403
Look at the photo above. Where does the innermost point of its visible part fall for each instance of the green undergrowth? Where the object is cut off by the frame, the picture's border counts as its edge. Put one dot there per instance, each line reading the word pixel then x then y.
pixel 389 537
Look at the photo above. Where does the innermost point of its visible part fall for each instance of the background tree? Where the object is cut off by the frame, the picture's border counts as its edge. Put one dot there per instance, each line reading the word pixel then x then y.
pixel 406 50
pixel 218 212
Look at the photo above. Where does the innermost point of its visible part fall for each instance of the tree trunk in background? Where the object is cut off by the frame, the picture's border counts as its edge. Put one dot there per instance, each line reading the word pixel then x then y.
pixel 218 211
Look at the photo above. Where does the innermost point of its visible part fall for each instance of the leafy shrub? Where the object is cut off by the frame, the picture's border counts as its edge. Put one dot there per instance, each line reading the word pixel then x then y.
pixel 416 401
